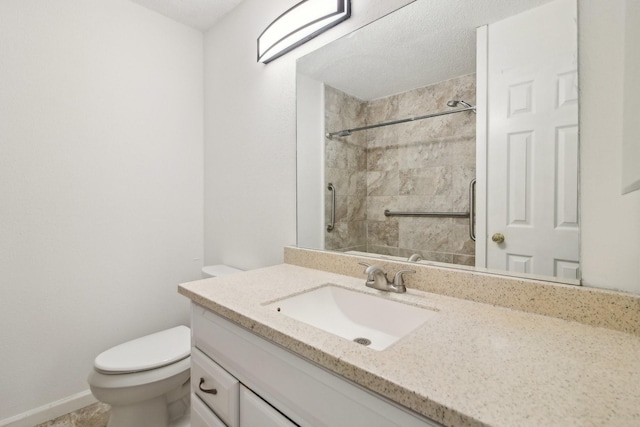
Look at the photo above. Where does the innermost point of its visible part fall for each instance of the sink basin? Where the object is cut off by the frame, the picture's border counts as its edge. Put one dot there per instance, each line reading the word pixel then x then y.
pixel 370 320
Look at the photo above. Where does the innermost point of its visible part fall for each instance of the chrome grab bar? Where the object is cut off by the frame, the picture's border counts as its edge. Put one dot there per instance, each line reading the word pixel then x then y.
pixel 438 214
pixel 332 222
pixel 472 209
pixel 471 214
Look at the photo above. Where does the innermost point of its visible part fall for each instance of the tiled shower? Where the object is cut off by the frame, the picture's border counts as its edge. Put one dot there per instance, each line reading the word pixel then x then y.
pixel 423 165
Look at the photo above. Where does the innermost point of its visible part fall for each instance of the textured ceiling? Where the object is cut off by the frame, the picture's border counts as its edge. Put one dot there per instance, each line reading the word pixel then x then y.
pixel 425 42
pixel 199 14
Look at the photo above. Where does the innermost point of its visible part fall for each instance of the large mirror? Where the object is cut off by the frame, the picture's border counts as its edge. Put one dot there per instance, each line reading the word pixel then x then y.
pixel 446 132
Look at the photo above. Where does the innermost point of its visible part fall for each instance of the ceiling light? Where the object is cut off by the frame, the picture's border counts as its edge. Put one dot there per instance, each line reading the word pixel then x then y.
pixel 300 24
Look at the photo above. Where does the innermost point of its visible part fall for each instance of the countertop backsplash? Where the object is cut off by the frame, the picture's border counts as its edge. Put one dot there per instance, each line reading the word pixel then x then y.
pixel 591 306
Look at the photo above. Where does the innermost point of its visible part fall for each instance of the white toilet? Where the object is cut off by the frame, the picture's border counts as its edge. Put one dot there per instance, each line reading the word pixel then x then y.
pixel 146 380
pixel 218 270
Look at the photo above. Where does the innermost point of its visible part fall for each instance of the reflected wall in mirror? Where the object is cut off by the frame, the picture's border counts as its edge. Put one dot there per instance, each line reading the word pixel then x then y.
pixel 417 62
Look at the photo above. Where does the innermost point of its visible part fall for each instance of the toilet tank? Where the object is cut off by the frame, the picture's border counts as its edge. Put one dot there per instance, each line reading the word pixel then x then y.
pixel 218 270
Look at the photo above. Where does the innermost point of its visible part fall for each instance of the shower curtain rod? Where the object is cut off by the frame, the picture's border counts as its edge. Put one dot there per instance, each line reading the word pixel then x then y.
pixel 347 132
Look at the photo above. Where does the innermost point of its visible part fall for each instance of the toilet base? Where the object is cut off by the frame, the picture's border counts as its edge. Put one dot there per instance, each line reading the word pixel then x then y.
pixel 167 410
pixel 183 421
pixel 151 413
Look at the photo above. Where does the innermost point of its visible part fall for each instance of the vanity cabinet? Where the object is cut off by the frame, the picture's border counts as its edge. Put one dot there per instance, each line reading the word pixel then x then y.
pixel 256 412
pixel 215 387
pixel 202 416
pixel 260 384
pixel 221 400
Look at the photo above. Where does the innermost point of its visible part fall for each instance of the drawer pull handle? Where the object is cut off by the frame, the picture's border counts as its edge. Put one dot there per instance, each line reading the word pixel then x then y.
pixel 206 390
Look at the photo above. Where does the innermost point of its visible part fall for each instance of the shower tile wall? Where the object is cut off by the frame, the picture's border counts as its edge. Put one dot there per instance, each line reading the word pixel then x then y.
pixel 424 165
pixel 346 169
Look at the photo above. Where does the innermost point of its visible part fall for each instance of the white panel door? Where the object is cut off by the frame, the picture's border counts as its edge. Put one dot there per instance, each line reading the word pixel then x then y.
pixel 532 142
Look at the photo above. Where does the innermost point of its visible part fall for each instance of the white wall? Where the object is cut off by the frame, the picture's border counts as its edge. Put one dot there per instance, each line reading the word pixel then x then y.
pixel 310 162
pixel 250 142
pixel 610 240
pixel 101 171
pixel 631 94
pixel 101 107
pixel 250 134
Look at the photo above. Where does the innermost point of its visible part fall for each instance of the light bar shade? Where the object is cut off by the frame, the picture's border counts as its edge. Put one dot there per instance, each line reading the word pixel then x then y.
pixel 300 24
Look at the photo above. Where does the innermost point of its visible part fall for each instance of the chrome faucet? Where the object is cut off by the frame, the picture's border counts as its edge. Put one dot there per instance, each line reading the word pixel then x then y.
pixel 377 279
pixel 415 258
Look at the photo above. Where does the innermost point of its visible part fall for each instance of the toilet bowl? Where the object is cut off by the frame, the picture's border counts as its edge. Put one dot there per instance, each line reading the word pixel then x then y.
pixel 146 380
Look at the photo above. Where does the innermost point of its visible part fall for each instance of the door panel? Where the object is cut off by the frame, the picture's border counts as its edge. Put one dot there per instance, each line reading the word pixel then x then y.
pixel 532 142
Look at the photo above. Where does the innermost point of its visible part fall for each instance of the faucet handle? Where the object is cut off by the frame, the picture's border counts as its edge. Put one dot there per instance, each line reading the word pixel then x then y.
pixel 366 267
pixel 398 280
pixel 371 269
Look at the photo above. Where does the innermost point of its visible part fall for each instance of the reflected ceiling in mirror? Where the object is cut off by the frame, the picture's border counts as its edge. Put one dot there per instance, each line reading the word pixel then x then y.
pixel 422 43
pixel 410 63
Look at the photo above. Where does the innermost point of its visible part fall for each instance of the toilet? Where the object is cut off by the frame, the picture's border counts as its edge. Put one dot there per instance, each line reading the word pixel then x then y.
pixel 146 380
pixel 218 270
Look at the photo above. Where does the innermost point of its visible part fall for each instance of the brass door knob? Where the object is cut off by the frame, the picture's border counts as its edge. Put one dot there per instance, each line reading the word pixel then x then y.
pixel 498 237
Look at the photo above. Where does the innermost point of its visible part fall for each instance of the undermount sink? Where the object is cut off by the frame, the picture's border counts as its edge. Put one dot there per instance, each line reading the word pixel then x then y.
pixel 364 318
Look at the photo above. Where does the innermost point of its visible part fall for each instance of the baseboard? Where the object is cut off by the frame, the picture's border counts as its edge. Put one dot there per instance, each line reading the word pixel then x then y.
pixel 50 411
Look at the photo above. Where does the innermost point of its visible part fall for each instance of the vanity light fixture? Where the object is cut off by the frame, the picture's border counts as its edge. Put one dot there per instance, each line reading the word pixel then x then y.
pixel 300 24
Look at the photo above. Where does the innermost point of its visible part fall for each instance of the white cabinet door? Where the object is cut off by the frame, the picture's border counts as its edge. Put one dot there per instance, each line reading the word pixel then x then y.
pixel 202 416
pixel 532 144
pixel 255 412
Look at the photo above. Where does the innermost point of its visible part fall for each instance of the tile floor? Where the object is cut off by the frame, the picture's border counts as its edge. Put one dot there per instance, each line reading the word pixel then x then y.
pixel 96 415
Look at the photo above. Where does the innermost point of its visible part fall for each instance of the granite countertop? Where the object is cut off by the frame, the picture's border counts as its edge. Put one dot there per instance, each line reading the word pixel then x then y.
pixel 473 364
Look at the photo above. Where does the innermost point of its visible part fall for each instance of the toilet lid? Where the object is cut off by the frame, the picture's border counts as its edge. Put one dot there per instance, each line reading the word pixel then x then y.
pixel 148 352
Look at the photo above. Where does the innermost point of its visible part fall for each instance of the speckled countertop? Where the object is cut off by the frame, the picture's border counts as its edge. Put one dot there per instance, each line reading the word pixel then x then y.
pixel 473 364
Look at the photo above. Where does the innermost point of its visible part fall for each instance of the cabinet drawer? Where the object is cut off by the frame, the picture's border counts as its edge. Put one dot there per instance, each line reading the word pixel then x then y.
pixel 207 375
pixel 201 415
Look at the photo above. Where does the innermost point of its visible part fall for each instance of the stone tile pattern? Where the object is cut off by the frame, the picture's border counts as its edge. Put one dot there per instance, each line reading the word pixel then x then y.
pixel 346 169
pixel 96 415
pixel 424 165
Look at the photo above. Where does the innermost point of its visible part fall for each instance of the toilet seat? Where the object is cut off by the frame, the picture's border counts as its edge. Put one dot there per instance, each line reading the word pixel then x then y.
pixel 146 353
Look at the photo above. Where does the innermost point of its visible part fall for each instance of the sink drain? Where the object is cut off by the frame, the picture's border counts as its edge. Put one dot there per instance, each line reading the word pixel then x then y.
pixel 363 341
